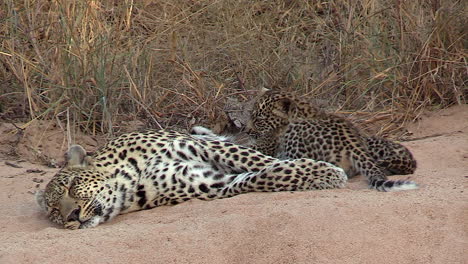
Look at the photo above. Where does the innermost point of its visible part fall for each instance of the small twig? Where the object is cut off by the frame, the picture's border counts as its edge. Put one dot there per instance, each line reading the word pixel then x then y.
pixel 434 135
pixel 34 171
pixel 13 165
pixel 17 127
pixel 240 82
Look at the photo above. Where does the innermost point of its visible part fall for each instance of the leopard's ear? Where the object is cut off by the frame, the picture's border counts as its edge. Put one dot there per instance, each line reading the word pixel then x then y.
pixel 286 104
pixel 284 107
pixel 76 157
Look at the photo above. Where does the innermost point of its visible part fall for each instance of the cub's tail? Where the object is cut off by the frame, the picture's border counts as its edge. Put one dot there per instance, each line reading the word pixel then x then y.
pixel 385 185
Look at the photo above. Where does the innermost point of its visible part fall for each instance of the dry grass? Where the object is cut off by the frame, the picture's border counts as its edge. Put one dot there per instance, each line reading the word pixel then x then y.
pixel 97 64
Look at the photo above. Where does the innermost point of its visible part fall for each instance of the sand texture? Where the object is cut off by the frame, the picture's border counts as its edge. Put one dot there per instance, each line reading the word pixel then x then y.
pixel 351 225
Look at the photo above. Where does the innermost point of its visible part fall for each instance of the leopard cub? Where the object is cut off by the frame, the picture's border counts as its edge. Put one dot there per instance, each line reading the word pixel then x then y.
pixel 288 127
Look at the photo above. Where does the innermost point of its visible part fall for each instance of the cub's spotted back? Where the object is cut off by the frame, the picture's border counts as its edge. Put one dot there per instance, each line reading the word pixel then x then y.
pixel 288 127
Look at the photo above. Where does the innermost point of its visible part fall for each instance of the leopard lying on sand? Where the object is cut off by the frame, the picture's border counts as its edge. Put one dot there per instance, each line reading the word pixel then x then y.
pixel 143 170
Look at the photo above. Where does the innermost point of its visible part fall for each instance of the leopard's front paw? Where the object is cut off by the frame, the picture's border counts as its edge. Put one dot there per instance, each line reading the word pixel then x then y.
pixel 72 225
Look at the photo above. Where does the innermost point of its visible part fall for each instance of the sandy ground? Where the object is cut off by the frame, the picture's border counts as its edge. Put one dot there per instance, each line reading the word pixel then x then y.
pixel 351 225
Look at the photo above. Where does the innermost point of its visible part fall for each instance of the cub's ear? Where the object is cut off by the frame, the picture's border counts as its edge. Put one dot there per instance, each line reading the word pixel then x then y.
pixel 283 107
pixel 286 104
pixel 40 199
pixel 76 157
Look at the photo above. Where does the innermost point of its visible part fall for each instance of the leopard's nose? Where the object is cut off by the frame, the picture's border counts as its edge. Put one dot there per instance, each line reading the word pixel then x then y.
pixel 74 215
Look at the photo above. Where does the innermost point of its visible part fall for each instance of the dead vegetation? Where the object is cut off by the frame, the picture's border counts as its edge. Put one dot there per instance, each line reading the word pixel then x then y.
pixel 95 65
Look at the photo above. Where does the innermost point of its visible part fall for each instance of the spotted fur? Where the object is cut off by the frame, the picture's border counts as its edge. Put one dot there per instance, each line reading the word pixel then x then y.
pixel 147 169
pixel 288 127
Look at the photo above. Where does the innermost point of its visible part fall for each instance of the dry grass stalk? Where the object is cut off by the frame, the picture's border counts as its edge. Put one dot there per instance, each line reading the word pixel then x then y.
pixel 176 62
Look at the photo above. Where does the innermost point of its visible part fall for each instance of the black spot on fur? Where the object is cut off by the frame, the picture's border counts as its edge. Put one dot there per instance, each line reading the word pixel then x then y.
pixel 218 176
pixel 207 174
pixel 123 154
pixel 233 150
pixel 278 169
pixel 217 185
pixel 182 155
pixel 142 194
pixel 135 165
pixel 204 188
pixel 253 179
pixel 192 150
pixel 389 184
pixel 182 144
pixel 182 184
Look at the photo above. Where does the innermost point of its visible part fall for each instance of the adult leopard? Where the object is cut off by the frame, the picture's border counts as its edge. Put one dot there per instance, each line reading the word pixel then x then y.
pixel 143 170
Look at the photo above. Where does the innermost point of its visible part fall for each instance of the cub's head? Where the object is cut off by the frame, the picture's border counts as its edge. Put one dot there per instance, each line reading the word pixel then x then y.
pixel 274 110
pixel 69 199
pixel 271 112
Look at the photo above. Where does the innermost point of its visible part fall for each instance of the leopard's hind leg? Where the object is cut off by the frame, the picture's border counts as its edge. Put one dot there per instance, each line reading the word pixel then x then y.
pixel 287 175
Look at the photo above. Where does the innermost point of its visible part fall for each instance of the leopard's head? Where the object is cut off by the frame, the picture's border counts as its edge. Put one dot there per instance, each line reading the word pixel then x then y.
pixel 70 198
pixel 271 113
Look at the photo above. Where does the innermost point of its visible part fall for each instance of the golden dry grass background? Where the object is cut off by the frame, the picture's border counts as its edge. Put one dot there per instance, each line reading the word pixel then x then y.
pixel 96 64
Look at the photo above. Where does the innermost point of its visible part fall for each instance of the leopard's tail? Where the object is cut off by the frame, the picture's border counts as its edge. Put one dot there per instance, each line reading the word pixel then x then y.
pixel 385 185
pixel 376 176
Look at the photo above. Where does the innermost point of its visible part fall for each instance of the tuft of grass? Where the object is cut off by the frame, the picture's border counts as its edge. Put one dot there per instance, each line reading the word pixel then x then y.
pixel 97 64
